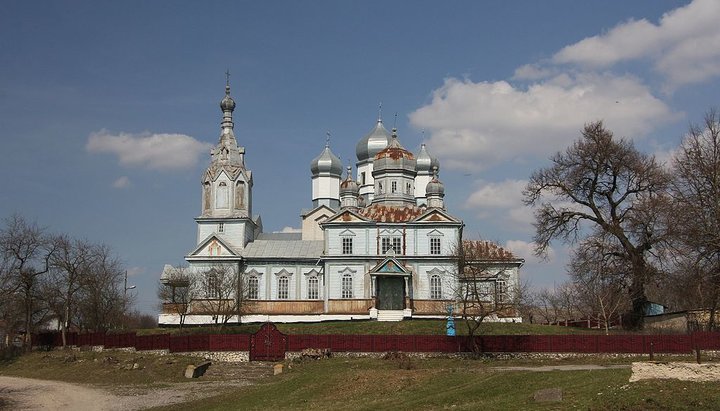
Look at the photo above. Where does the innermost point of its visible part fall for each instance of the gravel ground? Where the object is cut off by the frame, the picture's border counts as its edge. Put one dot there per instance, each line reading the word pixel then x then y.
pixel 675 370
pixel 31 394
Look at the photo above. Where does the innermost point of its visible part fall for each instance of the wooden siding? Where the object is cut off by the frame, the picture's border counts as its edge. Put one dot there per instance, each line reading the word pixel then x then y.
pixel 430 307
pixel 350 306
pixel 286 307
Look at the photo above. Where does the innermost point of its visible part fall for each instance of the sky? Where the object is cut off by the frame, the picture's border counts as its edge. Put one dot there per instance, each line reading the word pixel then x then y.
pixel 108 110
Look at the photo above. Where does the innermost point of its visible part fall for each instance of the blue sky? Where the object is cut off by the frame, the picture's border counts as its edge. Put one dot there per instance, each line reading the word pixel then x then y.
pixel 107 110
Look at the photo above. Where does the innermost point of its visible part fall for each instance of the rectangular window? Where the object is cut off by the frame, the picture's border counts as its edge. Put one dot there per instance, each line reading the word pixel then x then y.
pixel 435 287
pixel 313 288
pixel 347 245
pixel 393 187
pixel 212 286
pixel 347 286
pixel 500 291
pixel 283 288
pixel 391 242
pixel 435 245
pixel 362 178
pixel 221 227
pixel 253 288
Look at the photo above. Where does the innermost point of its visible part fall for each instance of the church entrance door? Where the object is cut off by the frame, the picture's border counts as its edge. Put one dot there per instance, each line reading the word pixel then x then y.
pixel 390 293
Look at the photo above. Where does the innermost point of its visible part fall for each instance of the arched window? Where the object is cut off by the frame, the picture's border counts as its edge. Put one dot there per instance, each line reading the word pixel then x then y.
pixel 253 288
pixel 313 288
pixel 347 291
pixel 283 288
pixel 240 195
pixel 435 288
pixel 222 196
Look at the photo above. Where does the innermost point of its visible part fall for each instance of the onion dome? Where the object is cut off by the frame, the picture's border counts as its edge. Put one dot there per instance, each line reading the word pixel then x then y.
pixel 227 103
pixel 435 187
pixel 425 162
pixel 377 139
pixel 394 151
pixel 326 162
pixel 349 186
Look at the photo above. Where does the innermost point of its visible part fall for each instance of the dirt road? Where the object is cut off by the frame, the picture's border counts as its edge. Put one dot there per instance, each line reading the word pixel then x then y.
pixel 32 394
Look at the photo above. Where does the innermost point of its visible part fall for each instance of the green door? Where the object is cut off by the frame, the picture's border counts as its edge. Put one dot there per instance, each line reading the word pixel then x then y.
pixel 390 293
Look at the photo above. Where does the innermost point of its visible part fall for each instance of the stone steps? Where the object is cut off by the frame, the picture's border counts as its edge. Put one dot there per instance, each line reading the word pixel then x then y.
pixel 390 315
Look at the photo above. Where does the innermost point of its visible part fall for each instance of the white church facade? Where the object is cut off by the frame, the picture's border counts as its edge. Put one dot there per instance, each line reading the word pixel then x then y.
pixel 377 245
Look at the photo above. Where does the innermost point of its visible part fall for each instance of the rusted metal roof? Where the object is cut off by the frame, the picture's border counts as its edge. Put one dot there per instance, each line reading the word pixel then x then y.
pixel 391 214
pixel 485 250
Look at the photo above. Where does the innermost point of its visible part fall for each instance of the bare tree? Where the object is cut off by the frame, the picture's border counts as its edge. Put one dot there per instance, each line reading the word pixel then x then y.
pixel 26 253
pixel 482 292
pixel 102 301
pixel 600 183
pixel 696 212
pixel 227 293
pixel 177 291
pixel 71 263
pixel 598 278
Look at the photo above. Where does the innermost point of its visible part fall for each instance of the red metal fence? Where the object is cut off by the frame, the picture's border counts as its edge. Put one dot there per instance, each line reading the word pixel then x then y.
pixel 639 344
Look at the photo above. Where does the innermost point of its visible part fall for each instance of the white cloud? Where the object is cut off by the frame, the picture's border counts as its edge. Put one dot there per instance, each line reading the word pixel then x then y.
pixel 477 125
pixel 684 46
pixel 133 271
pixel 501 200
pixel 526 250
pixel 288 229
pixel 152 151
pixel 122 182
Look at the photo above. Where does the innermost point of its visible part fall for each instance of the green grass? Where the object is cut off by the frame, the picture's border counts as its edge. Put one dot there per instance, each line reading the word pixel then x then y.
pixel 420 327
pixel 372 384
pixel 103 368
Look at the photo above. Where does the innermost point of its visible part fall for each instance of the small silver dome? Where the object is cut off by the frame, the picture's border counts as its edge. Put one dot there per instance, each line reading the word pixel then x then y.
pixel 425 162
pixel 227 103
pixel 349 186
pixel 377 139
pixel 435 186
pixel 326 162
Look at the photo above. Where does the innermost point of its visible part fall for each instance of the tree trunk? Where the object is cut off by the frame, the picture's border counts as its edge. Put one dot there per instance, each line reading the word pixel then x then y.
pixel 635 319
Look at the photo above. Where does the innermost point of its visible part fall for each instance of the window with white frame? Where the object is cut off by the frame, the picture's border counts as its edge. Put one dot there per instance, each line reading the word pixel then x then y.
pixel 393 187
pixel 435 245
pixel 221 227
pixel 347 286
pixel 347 245
pixel 500 291
pixel 212 285
pixel 435 288
pixel 253 287
pixel 390 242
pixel 313 288
pixel 283 288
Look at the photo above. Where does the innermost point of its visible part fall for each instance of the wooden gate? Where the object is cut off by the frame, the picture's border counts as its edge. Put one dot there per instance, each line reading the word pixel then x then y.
pixel 268 344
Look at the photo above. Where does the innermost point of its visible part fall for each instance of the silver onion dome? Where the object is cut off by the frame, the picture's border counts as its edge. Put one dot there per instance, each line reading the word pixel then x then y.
pixel 425 162
pixel 227 103
pixel 326 162
pixel 435 186
pixel 349 186
pixel 377 139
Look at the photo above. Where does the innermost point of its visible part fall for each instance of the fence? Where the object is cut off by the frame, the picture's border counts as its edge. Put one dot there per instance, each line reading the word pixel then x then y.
pixel 637 344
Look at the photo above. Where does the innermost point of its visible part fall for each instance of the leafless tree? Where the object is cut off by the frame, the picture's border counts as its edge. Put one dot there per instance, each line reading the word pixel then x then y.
pixel 696 212
pixel 26 252
pixel 603 184
pixel 102 301
pixel 227 292
pixel 598 278
pixel 71 264
pixel 558 304
pixel 482 293
pixel 177 291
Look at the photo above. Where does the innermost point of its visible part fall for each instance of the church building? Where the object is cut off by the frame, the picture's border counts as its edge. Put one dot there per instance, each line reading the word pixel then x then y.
pixel 379 244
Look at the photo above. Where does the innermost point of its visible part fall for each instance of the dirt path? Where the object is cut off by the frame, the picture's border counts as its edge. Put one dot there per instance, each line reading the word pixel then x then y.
pixel 577 367
pixel 32 394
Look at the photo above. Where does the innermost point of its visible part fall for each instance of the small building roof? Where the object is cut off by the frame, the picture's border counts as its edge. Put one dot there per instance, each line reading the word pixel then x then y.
pixel 283 249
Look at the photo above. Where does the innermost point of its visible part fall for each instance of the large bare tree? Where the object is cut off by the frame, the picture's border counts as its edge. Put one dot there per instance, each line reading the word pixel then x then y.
pixel 601 184
pixel 227 292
